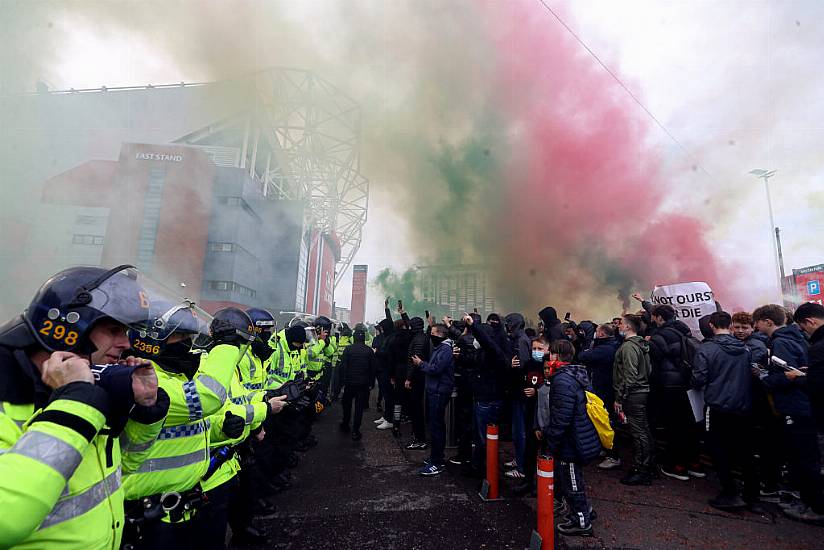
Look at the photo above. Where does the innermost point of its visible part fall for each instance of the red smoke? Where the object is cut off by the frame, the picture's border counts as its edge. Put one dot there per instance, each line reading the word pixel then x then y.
pixel 586 191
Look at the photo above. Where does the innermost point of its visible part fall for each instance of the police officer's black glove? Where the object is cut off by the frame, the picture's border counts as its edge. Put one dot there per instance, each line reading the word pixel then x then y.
pixel 233 425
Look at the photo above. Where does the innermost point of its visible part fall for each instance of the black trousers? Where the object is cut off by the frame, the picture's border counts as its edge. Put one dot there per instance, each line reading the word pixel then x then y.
pixel 416 407
pixel 532 443
pixel 574 491
pixel 730 440
pixel 675 416
pixel 464 417
pixel 184 535
pixel 360 394
pixel 801 441
pixel 214 517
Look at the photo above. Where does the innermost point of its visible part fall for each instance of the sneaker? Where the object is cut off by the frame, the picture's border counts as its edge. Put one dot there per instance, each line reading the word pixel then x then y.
pixel 802 512
pixel 416 445
pixel 678 472
pixel 380 420
pixel 769 496
pixel 727 502
pixel 610 463
pixel 430 470
pixel 456 460
pixel 385 425
pixel 560 508
pixel 514 474
pixel 573 528
pixel 511 464
pixel 696 471
pixel 637 478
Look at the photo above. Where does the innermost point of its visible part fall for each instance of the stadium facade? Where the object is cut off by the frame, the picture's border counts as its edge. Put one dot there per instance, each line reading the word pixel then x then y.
pixel 247 192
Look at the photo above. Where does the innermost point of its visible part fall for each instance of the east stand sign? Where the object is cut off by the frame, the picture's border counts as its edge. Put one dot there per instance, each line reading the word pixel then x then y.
pixel 691 301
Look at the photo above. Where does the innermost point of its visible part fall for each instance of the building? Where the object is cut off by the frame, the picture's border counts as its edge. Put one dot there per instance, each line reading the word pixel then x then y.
pixel 248 192
pixel 458 289
pixel 358 304
pixel 804 285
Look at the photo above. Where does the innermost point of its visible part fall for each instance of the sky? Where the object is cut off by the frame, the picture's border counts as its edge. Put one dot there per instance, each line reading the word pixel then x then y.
pixel 735 84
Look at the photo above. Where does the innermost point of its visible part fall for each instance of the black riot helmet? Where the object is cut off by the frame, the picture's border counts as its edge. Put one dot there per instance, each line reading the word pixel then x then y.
pixel 168 318
pixel 323 323
pixel 65 309
pixel 232 326
pixel 263 323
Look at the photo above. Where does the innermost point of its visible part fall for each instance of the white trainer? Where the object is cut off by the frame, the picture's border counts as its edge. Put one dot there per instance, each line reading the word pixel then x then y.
pixel 385 425
pixel 609 463
pixel 380 420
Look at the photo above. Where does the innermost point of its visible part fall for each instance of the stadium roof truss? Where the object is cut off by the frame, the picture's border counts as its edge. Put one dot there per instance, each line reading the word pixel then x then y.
pixel 299 139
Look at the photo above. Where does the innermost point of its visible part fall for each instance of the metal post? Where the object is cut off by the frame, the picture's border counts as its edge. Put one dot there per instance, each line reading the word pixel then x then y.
pixel 766 178
pixel 780 254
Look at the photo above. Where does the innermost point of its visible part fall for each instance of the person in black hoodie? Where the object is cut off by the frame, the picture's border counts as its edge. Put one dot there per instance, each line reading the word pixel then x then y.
pixel 488 381
pixel 810 318
pixel 670 382
pixel 468 353
pixel 358 366
pixel 721 369
pixel 599 360
pixel 571 437
pixel 533 380
pixel 792 403
pixel 381 345
pixel 520 350
pixel 552 325
pixel 419 345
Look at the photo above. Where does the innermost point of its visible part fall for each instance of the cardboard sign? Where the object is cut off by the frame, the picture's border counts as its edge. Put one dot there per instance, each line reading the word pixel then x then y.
pixel 691 301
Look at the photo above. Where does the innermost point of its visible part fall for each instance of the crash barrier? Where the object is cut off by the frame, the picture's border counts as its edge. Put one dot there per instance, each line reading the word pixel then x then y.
pixel 489 488
pixel 543 537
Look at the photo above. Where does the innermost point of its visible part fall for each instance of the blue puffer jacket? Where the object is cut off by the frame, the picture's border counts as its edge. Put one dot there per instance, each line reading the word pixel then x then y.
pixel 571 435
pixel 788 343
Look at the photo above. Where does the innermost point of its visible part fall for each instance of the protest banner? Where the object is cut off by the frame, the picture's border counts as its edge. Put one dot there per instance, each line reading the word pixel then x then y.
pixel 691 301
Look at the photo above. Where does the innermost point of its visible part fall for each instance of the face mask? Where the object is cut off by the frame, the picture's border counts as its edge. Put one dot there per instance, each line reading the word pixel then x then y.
pixel 622 333
pixel 437 340
pixel 476 344
pixel 262 350
pixel 537 355
pixel 178 357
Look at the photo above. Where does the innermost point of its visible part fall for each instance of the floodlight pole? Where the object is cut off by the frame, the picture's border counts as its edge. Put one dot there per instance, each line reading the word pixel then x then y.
pixel 766 175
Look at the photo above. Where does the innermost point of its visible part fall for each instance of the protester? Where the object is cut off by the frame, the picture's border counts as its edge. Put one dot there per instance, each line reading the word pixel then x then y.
pixel 599 361
pixel 358 367
pixel 531 383
pixel 631 383
pixel 520 349
pixel 570 435
pixel 785 382
pixel 419 345
pixel 722 370
pixel 439 371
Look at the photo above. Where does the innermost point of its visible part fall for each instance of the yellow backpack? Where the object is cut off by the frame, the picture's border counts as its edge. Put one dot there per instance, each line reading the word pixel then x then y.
pixel 599 417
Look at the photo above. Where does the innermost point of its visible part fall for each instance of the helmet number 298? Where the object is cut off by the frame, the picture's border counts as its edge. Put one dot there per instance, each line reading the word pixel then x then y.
pixel 58 332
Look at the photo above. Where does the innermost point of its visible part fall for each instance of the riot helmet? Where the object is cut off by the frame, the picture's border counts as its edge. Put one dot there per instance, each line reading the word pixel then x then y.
pixel 232 326
pixel 263 323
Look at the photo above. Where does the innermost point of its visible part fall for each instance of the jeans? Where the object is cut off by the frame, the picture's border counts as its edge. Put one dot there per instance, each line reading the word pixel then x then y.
pixel 361 396
pixel 436 411
pixel 519 431
pixel 635 409
pixel 486 412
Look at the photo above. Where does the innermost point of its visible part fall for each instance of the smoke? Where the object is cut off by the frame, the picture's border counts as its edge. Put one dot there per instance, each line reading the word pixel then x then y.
pixel 500 141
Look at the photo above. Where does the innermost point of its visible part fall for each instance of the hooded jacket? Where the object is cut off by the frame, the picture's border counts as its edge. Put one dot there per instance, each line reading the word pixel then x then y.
pixel 631 371
pixel 440 369
pixel 815 375
pixel 520 346
pixel 358 365
pixel 419 345
pixel 571 435
pixel 665 354
pixel 487 379
pixel 722 369
pixel 757 344
pixel 789 397
pixel 552 325
pixel 600 359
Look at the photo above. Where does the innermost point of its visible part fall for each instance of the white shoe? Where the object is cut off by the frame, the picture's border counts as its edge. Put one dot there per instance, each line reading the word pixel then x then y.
pixel 385 425
pixel 515 474
pixel 609 463
pixel 511 464
pixel 379 420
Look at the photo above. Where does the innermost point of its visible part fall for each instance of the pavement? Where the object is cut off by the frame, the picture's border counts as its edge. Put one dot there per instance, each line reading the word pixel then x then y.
pixel 367 494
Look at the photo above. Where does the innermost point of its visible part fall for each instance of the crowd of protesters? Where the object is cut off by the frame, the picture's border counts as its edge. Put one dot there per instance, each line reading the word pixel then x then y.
pixel 745 399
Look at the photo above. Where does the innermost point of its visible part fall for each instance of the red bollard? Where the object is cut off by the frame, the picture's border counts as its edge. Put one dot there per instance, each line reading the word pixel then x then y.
pixel 544 537
pixel 489 488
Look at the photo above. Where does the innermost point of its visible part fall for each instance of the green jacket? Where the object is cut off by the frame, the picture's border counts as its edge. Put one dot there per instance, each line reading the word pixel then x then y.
pixel 631 369
pixel 319 355
pixel 60 474
pixel 179 458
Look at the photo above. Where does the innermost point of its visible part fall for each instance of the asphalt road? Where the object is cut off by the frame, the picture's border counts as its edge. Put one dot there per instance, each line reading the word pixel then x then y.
pixel 367 495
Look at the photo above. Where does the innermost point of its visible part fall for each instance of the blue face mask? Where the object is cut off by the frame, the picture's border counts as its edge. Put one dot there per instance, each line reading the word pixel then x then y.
pixel 537 355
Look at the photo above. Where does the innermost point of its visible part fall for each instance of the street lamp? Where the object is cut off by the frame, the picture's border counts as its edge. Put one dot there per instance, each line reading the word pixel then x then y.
pixel 766 175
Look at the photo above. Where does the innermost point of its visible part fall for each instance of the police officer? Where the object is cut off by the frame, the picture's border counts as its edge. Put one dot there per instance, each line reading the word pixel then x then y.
pixel 60 462
pixel 164 493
